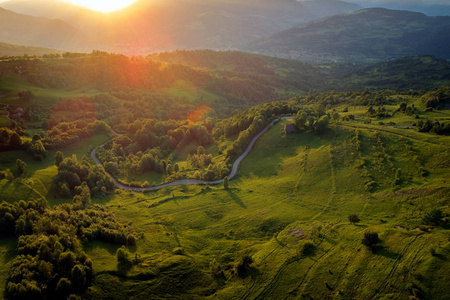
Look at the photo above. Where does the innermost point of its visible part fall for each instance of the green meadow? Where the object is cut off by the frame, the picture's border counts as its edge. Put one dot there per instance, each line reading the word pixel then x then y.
pixel 293 190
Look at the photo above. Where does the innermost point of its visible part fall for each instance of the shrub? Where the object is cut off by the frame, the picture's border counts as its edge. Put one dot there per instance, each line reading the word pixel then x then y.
pixel 123 256
pixel 307 249
pixel 353 219
pixel 178 250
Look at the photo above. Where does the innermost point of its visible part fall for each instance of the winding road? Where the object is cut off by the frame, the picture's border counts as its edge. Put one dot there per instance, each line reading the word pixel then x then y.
pixel 192 181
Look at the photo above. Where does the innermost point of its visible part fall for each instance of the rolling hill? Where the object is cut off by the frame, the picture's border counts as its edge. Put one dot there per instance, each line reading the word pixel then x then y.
pixel 15 50
pixel 369 35
pixel 38 32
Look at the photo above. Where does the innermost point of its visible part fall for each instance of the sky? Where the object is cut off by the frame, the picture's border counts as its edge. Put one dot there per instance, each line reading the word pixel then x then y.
pixel 103 5
pixel 100 5
pixel 112 5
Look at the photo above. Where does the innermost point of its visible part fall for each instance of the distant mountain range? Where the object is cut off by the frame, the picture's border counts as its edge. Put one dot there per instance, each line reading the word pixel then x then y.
pixel 148 26
pixel 428 7
pixel 367 35
pixel 315 30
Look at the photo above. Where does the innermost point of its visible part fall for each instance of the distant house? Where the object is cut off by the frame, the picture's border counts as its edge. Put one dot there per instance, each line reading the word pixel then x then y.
pixel 290 128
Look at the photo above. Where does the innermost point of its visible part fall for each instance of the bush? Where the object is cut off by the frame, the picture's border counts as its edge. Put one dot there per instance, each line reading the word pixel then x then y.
pixel 353 219
pixel 21 166
pixel 123 256
pixel 178 250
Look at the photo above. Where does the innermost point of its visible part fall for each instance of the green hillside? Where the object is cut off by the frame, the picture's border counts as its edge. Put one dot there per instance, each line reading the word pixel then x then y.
pixel 293 191
pixel 414 72
pixel 353 206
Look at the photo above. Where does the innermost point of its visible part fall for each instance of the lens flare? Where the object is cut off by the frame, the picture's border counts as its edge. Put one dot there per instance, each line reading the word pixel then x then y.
pixel 198 114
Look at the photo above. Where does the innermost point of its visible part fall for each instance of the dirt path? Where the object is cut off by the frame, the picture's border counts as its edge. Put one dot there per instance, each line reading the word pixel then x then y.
pixel 191 181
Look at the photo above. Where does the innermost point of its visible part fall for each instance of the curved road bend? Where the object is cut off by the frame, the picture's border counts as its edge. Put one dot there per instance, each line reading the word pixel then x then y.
pixel 192 181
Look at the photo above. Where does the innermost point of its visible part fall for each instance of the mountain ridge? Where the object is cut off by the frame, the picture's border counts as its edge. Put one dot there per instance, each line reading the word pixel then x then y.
pixel 371 34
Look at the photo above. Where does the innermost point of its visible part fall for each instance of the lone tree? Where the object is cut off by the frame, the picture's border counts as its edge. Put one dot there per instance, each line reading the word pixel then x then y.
pixel 371 240
pixel 21 166
pixel 244 265
pixel 353 219
pixel 225 182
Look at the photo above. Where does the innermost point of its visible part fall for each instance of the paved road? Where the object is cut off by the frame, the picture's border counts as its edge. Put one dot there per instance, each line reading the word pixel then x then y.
pixel 191 181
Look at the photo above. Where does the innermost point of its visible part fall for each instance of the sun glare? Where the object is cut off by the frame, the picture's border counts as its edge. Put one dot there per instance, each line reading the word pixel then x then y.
pixel 103 5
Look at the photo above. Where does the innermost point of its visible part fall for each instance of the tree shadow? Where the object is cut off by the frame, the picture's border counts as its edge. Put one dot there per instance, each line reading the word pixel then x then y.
pixel 236 198
pixel 440 256
pixel 254 272
pixel 279 242
pixel 109 247
pixel 10 253
pixel 360 225
pixel 382 251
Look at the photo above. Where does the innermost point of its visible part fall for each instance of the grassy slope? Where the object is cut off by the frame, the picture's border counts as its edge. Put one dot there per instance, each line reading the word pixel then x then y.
pixel 293 189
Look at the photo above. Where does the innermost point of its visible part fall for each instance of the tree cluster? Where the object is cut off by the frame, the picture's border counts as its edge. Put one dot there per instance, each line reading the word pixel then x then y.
pixel 50 262
pixel 72 173
pixel 314 121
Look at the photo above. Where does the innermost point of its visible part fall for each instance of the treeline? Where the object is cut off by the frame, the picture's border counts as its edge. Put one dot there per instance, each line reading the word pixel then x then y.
pixel 17 140
pixel 50 261
pixel 65 133
pixel 364 98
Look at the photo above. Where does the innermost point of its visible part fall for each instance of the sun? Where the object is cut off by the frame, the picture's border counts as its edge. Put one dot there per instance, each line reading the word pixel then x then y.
pixel 102 5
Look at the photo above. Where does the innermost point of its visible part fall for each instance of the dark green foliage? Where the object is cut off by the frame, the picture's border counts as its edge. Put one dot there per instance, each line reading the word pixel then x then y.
pixel 307 249
pixel 83 200
pixel 433 217
pixel 50 261
pixel 225 183
pixel 397 177
pixel 73 173
pixel 21 166
pixel 59 157
pixel 380 112
pixel 371 240
pixel 123 257
pixel 306 120
pixel 353 219
pixel 244 265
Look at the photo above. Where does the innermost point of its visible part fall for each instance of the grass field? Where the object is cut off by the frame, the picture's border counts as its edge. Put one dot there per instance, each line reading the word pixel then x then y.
pixel 290 190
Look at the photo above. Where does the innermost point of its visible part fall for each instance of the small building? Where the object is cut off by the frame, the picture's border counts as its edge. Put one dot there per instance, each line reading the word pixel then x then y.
pixel 290 129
